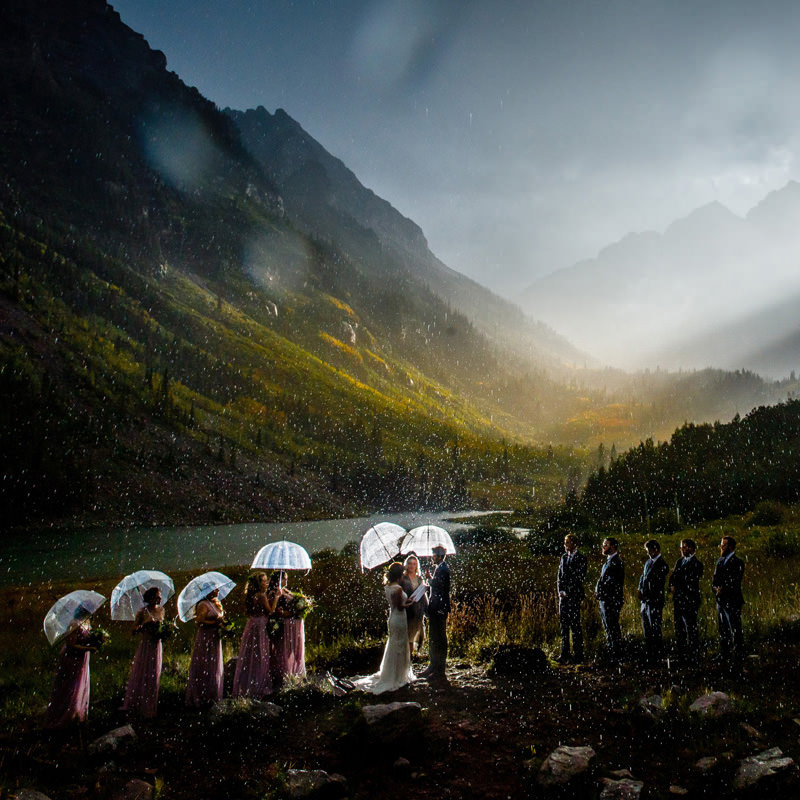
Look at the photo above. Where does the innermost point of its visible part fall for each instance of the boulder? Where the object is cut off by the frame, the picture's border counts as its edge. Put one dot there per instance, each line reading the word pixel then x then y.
pixel 514 661
pixel 624 789
pixel 713 704
pixel 114 740
pixel 134 790
pixel 31 794
pixel 767 764
pixel 314 783
pixel 390 722
pixel 565 765
pixel 652 706
pixel 706 764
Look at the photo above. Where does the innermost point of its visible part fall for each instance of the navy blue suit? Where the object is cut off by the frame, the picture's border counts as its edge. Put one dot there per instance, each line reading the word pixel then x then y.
pixel 571 575
pixel 728 579
pixel 437 611
pixel 610 598
pixel 651 597
pixel 685 583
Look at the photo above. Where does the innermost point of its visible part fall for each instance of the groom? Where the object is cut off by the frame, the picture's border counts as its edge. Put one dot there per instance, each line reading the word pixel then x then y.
pixel 437 611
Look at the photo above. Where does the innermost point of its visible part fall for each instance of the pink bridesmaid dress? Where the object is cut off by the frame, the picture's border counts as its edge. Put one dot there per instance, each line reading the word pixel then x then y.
pixel 293 649
pixel 141 693
pixel 252 676
pixel 69 701
pixel 206 667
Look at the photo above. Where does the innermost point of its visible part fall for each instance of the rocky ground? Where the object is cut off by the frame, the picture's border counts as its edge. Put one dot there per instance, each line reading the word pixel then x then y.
pixel 625 732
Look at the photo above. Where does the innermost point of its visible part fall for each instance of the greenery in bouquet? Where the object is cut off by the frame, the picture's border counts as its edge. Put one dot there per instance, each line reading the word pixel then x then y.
pixel 300 605
pixel 98 638
pixel 160 629
pixel 228 629
pixel 274 627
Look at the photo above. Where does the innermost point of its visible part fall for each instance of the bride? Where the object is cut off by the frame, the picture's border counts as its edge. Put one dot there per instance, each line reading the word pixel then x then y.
pixel 395 670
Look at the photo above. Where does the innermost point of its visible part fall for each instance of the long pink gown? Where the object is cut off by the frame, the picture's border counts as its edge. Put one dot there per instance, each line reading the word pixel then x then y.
pixel 206 667
pixel 252 676
pixel 293 647
pixel 69 701
pixel 141 693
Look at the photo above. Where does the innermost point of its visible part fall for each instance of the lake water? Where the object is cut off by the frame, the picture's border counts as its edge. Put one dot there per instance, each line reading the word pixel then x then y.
pixel 97 553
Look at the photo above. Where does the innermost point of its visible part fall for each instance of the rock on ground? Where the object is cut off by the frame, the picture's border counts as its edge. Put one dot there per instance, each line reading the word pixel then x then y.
pixel 113 740
pixel 714 704
pixel 314 783
pixel 134 790
pixel 564 765
pixel 625 789
pixel 754 769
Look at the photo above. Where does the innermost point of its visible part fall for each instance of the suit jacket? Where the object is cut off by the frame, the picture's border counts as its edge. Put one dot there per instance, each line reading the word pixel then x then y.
pixel 440 591
pixel 728 577
pixel 612 578
pixel 571 575
pixel 685 581
pixel 651 584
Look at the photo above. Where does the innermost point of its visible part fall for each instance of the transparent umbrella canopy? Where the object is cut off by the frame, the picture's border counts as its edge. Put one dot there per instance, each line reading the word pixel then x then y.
pixel 75 605
pixel 282 555
pixel 423 539
pixel 201 587
pixel 380 544
pixel 127 596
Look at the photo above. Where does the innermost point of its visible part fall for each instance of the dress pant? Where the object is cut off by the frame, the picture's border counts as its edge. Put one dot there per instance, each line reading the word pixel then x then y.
pixel 687 638
pixel 437 643
pixel 609 614
pixel 652 617
pixel 731 638
pixel 570 618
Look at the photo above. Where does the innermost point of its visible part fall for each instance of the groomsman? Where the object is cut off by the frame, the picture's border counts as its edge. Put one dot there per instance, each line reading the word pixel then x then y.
pixel 437 611
pixel 727 585
pixel 571 575
pixel 651 597
pixel 609 596
pixel 684 583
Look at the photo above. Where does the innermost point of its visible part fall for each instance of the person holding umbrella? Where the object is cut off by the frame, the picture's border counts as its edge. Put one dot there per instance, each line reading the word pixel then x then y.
pixel 141 691
pixel 70 619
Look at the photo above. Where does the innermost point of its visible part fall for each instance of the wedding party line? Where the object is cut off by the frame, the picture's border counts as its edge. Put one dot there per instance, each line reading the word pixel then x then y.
pixel 272 644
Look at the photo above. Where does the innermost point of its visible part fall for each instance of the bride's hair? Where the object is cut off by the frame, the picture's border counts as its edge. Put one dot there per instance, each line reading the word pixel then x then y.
pixel 394 573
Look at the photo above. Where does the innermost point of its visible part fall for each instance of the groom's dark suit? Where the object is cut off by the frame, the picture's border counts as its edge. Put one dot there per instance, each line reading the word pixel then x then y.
pixel 571 575
pixel 685 583
pixel 609 598
pixel 437 611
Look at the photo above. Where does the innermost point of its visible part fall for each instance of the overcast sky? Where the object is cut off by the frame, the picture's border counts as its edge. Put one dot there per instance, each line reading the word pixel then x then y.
pixel 521 136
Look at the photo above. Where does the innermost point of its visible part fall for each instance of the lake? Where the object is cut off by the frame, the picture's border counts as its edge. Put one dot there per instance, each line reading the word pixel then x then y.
pixel 98 553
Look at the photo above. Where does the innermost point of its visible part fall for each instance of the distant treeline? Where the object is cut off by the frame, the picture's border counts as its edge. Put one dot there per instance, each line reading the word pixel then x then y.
pixel 704 472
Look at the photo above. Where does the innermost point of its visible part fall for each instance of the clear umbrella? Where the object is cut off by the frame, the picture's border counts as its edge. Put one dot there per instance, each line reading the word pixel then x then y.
pixel 281 555
pixel 201 587
pixel 126 597
pixel 381 543
pixel 75 605
pixel 423 539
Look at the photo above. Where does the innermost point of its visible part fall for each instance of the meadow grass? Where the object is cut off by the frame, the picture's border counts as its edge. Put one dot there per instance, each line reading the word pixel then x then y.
pixel 502 594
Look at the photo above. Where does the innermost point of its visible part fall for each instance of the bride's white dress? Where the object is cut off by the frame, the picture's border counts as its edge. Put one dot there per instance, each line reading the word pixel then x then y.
pixel 395 670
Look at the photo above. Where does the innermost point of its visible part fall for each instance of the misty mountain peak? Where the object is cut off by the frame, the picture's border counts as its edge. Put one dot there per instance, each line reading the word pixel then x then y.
pixel 711 217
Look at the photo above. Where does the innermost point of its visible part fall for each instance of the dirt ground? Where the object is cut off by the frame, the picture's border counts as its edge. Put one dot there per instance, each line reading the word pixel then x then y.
pixel 480 737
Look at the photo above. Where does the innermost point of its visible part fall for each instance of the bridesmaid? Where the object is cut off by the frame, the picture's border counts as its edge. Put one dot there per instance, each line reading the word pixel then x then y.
pixel 69 701
pixel 293 646
pixel 206 667
pixel 141 693
pixel 252 676
pixel 416 611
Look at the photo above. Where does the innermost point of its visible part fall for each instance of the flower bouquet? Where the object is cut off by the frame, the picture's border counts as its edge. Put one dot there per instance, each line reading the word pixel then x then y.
pixel 228 629
pixel 274 627
pixel 300 605
pixel 159 629
pixel 98 638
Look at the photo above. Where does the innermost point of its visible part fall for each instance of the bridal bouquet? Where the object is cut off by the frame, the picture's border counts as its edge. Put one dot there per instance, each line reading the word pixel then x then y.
pixel 159 629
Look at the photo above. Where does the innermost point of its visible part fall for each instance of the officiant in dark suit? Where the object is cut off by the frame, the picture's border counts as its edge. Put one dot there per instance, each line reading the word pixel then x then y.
pixel 727 586
pixel 610 598
pixel 569 584
pixel 437 611
pixel 684 583
pixel 651 598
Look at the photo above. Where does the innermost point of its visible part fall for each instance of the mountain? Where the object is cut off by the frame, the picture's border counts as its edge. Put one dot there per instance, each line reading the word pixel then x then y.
pixel 326 200
pixel 179 341
pixel 691 297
